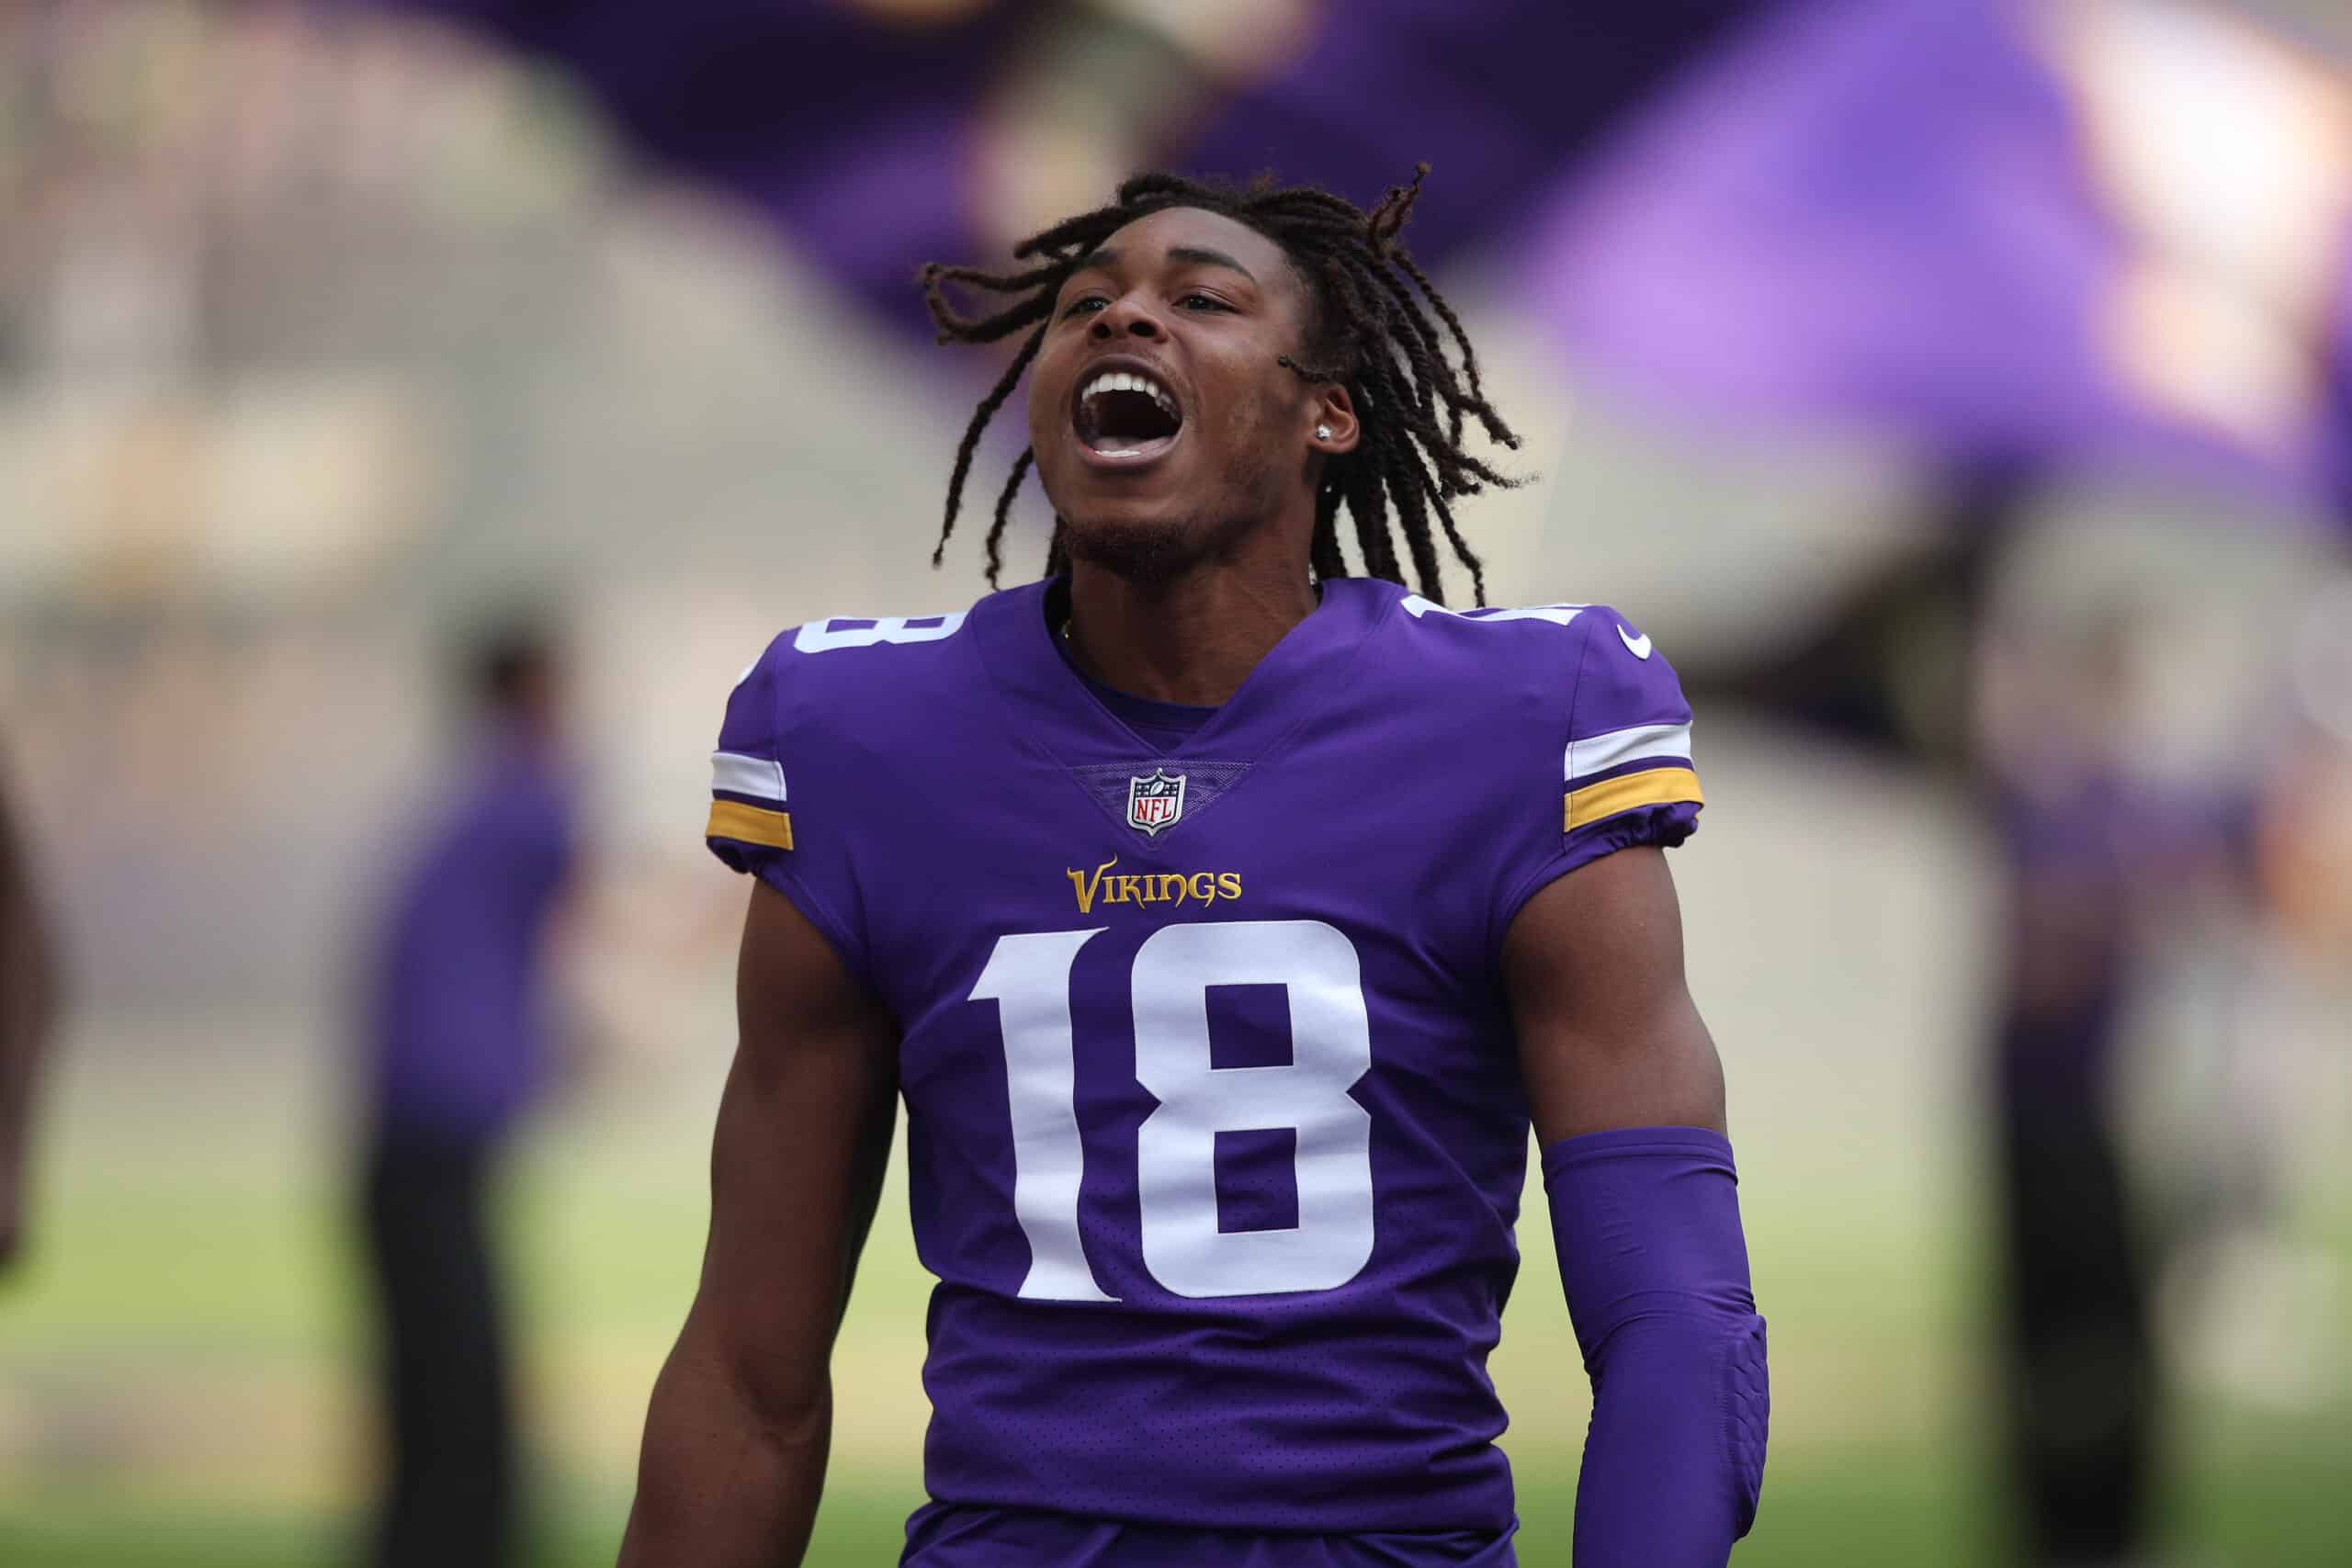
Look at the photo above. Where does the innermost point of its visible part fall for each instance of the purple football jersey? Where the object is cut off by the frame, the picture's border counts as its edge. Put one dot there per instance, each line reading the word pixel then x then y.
pixel 1216 1130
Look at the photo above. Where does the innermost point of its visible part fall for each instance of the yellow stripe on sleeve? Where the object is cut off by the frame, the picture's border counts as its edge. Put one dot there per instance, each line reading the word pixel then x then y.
pixel 1657 786
pixel 749 825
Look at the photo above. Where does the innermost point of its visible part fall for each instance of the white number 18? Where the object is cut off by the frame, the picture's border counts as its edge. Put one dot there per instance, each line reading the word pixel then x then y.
pixel 1028 977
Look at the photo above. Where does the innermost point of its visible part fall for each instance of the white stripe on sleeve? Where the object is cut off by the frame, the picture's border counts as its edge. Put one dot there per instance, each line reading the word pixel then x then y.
pixel 1612 748
pixel 758 777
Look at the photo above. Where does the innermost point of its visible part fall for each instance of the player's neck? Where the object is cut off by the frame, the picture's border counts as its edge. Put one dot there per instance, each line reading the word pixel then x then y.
pixel 1193 639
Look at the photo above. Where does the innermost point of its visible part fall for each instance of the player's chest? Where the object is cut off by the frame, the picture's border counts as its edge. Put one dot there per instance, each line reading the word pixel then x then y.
pixel 1167 874
pixel 1313 834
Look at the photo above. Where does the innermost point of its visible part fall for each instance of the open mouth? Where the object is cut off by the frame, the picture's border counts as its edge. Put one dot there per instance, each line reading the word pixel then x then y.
pixel 1126 415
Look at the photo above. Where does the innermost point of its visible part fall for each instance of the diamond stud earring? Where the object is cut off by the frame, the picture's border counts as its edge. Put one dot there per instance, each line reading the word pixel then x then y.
pixel 1322 432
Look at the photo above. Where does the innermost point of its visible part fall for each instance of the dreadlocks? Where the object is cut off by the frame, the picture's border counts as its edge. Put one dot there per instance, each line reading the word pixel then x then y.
pixel 1371 334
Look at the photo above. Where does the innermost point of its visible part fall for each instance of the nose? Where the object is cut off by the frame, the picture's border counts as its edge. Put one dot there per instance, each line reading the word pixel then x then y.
pixel 1126 315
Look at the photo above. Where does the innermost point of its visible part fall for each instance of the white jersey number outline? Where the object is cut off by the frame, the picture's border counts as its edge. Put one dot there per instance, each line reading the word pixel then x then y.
pixel 820 636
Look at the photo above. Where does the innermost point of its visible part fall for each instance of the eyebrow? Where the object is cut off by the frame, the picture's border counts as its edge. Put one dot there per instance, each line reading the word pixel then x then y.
pixel 1198 255
pixel 1204 257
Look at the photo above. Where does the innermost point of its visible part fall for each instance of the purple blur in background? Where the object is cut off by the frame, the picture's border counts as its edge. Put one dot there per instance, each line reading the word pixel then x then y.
pixel 1883 214
pixel 859 138
pixel 854 136
pixel 1499 96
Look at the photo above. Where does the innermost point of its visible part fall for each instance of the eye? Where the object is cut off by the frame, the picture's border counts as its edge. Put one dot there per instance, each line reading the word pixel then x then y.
pixel 1197 301
pixel 1079 307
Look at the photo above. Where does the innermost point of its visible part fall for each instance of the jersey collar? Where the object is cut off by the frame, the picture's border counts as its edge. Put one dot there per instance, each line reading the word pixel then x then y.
pixel 1292 684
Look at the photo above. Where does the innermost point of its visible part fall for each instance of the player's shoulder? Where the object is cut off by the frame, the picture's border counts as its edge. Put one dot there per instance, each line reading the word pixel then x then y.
pixel 1587 661
pixel 1578 690
pixel 807 717
pixel 858 672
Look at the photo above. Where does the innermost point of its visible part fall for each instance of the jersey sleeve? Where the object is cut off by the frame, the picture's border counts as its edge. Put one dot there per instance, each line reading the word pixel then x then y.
pixel 1626 772
pixel 753 805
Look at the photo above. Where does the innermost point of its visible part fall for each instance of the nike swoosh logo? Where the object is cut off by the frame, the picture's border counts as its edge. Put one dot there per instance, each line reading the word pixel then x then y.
pixel 1639 647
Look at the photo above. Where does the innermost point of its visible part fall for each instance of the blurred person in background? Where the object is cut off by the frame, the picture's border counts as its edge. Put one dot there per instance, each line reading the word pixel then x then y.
pixel 2097 853
pixel 458 1025
pixel 1217 1291
pixel 28 1014
pixel 2081 1359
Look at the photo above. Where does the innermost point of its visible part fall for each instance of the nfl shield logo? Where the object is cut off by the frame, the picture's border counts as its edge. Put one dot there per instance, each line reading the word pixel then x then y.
pixel 1154 804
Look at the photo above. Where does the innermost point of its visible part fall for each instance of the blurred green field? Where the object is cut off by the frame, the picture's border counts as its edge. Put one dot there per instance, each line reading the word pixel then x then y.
pixel 1858 1510
pixel 177 1381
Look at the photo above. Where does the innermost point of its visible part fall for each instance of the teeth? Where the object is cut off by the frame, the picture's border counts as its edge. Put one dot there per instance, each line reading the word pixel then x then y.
pixel 1122 381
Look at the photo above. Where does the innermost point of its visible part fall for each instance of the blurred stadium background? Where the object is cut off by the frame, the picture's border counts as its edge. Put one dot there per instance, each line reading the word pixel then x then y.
pixel 329 330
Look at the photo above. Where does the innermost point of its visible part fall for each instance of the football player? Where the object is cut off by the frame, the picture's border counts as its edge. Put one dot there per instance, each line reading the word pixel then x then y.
pixel 1223 919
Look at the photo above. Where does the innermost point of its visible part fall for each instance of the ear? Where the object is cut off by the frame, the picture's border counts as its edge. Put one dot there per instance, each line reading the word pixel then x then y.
pixel 1331 408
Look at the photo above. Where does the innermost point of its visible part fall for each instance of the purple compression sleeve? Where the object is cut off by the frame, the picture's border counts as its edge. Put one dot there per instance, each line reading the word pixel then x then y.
pixel 1648 1222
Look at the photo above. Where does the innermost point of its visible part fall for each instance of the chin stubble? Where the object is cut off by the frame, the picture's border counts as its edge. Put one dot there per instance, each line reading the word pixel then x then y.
pixel 1159 551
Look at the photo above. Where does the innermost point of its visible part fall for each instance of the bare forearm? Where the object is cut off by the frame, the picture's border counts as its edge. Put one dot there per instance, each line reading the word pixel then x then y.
pixel 726 1480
